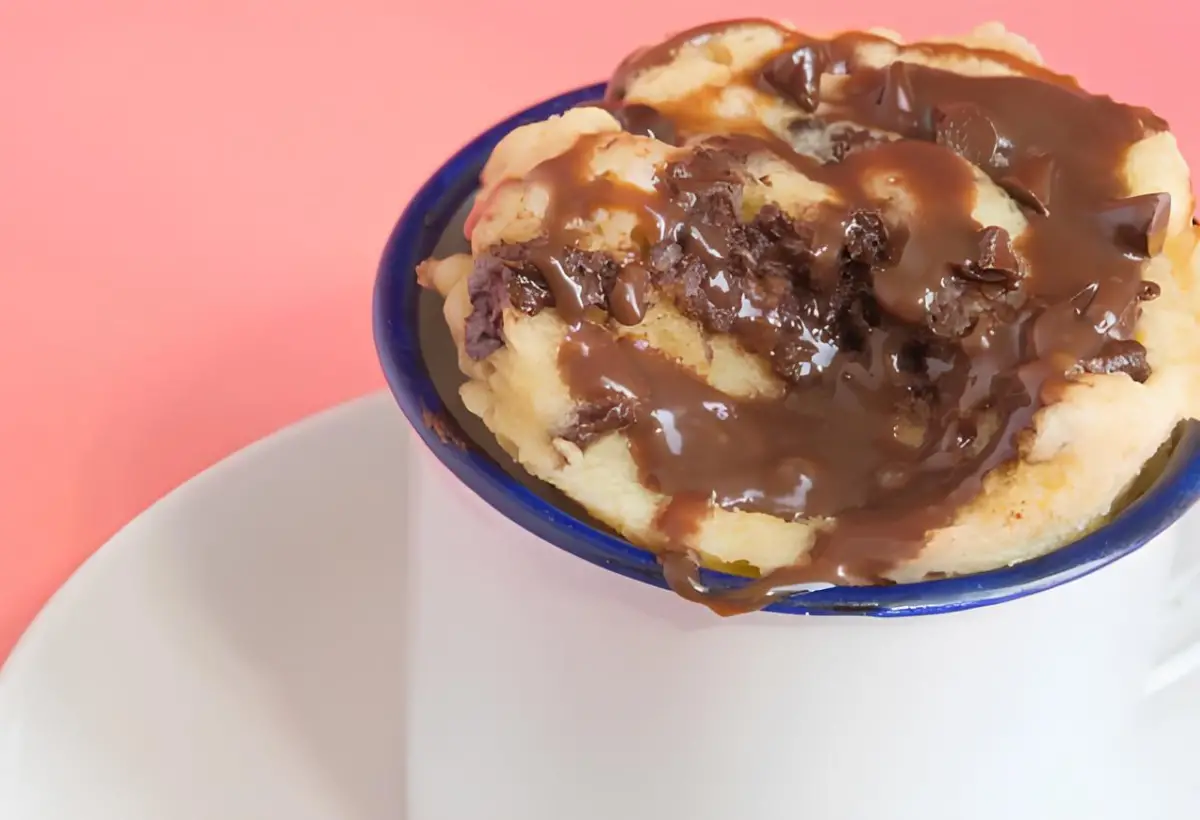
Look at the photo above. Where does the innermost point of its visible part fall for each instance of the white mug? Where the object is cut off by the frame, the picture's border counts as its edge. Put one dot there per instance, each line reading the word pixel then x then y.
pixel 545 687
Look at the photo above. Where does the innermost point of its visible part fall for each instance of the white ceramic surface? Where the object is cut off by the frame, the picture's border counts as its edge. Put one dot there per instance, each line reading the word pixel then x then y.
pixel 326 625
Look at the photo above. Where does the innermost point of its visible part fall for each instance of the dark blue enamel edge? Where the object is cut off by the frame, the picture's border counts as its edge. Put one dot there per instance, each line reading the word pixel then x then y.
pixel 396 340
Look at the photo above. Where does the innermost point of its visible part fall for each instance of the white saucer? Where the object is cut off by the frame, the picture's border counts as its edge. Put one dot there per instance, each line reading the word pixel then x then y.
pixel 238 650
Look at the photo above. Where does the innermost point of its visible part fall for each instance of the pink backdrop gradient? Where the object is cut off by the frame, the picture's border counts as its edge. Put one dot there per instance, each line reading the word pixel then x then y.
pixel 193 196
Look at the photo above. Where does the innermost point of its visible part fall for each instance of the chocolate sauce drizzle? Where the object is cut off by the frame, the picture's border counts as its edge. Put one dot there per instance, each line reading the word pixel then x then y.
pixel 916 349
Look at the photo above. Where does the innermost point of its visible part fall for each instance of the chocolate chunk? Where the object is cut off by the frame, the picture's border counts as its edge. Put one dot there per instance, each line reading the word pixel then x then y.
pixel 665 255
pixel 527 290
pixel 627 301
pixel 577 279
pixel 896 100
pixel 775 245
pixel 796 76
pixel 966 129
pixel 1030 181
pixel 487 288
pixel 594 419
pixel 853 311
pixel 867 238
pixel 996 252
pixel 986 287
pixel 1149 291
pixel 959 308
pixel 691 284
pixel 526 287
pixel 645 121
pixel 1138 225
pixel 1120 356
pixel 954 310
pixel 792 357
pixel 723 272
pixel 995 262
pixel 532 276
pixel 698 252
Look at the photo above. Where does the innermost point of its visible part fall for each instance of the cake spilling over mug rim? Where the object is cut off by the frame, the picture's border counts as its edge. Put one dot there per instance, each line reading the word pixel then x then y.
pixel 396 298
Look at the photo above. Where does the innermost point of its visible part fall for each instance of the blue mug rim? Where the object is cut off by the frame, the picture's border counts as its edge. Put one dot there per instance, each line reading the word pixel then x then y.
pixel 396 301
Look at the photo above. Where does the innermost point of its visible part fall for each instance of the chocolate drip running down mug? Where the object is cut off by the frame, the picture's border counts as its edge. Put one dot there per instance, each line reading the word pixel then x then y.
pixel 577 694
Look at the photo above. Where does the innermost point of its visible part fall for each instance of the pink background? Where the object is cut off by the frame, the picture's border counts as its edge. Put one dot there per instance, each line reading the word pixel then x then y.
pixel 193 196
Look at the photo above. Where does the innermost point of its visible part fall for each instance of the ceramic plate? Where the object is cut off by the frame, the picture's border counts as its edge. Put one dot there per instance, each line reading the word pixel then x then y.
pixel 238 650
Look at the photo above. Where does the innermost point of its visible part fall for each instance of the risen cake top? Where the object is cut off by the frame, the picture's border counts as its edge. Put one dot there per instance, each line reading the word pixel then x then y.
pixel 900 254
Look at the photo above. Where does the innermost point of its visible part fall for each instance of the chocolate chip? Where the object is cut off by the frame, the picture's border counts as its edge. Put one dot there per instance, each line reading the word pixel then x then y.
pixel 896 100
pixel 796 76
pixel 867 238
pixel 1149 291
pixel 1030 181
pixel 996 252
pixel 982 289
pixel 627 300
pixel 1138 224
pixel 845 140
pixel 995 261
pixel 644 121
pixel 831 143
pixel 1120 356
pixel 968 131
pixel 954 311
pixel 792 357
pixel 594 419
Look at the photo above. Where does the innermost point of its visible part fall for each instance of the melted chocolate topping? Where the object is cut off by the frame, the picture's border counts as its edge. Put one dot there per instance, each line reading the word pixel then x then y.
pixel 644 120
pixel 916 347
